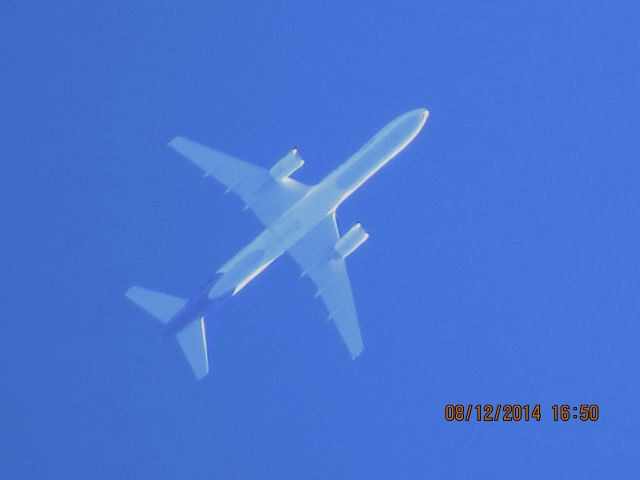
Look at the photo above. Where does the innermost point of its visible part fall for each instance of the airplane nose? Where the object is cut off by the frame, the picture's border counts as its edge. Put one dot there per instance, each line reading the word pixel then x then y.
pixel 425 116
pixel 423 113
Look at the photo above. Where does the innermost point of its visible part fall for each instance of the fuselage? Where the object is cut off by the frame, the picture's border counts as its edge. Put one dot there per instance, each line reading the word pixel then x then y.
pixel 321 200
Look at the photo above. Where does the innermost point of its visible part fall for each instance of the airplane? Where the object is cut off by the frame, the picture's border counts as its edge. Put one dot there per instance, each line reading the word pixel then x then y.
pixel 299 219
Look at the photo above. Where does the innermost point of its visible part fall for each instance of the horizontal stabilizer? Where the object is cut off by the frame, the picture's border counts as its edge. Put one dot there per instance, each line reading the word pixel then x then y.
pixel 193 341
pixel 160 305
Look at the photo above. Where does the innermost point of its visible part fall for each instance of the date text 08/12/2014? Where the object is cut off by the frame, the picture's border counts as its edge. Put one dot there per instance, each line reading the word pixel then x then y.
pixel 513 412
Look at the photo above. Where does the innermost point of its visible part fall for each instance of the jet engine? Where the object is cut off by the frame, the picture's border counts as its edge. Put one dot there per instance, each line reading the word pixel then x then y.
pixel 350 241
pixel 286 165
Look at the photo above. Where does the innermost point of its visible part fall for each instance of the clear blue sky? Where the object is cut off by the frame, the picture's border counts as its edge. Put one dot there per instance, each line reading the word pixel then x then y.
pixel 502 265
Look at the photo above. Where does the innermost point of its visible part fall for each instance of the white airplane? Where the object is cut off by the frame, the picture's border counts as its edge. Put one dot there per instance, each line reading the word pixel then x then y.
pixel 299 219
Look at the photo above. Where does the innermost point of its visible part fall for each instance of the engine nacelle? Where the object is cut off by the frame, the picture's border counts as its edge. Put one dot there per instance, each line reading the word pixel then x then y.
pixel 350 241
pixel 286 165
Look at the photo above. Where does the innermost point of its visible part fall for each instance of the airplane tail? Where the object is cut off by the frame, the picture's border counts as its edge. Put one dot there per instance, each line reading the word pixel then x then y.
pixel 193 341
pixel 192 338
pixel 160 305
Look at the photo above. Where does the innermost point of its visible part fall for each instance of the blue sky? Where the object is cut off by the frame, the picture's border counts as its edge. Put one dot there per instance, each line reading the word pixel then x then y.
pixel 502 265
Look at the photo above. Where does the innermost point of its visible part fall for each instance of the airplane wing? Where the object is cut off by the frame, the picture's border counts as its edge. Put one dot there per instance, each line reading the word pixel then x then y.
pixel 314 255
pixel 266 197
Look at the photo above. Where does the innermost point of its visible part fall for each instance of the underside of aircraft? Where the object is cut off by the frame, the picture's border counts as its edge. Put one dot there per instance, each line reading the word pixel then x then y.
pixel 299 220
